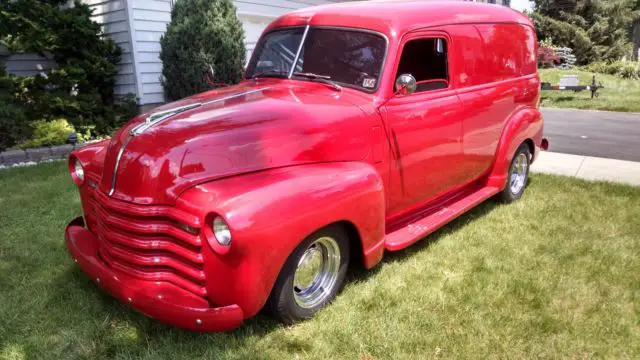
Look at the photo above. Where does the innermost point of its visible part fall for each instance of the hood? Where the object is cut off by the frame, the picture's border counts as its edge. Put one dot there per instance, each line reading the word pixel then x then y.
pixel 249 127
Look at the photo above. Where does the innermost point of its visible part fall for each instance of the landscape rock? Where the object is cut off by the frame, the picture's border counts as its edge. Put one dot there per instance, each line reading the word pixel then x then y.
pixel 61 151
pixel 39 154
pixel 13 157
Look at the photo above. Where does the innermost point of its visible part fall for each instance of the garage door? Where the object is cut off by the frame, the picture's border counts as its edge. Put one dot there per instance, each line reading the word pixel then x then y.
pixel 257 14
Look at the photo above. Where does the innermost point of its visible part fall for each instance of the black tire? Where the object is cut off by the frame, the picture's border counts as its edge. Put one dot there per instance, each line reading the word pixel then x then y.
pixel 282 303
pixel 513 193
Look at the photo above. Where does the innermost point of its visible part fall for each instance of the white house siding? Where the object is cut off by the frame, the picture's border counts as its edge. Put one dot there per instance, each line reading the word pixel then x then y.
pixel 257 14
pixel 114 17
pixel 150 19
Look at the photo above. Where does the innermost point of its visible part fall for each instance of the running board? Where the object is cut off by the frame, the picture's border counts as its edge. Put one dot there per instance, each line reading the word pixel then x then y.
pixel 440 216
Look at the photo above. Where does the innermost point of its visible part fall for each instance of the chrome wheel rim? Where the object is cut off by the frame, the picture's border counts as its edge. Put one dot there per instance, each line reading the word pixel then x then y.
pixel 316 273
pixel 518 173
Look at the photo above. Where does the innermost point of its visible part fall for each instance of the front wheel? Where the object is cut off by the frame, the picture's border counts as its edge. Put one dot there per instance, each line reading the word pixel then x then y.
pixel 312 275
pixel 518 175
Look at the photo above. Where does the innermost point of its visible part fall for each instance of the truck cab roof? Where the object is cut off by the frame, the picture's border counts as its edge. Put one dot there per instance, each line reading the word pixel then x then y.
pixel 397 17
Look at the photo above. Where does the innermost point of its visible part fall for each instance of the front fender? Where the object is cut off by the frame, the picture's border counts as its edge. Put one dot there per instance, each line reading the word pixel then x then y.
pixel 91 156
pixel 271 212
pixel 524 124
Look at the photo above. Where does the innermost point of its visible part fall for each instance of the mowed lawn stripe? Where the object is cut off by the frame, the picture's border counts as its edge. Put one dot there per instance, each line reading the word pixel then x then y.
pixel 556 274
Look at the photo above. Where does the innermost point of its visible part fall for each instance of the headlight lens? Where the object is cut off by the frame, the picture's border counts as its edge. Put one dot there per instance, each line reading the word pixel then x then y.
pixel 221 231
pixel 79 171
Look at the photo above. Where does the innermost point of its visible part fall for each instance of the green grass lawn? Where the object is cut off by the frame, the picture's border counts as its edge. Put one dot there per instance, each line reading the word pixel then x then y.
pixel 556 274
pixel 618 94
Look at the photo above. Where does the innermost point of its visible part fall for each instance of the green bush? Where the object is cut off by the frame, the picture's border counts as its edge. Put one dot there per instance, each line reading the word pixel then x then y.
pixel 629 70
pixel 202 34
pixel 13 119
pixel 622 69
pixel 48 133
pixel 80 89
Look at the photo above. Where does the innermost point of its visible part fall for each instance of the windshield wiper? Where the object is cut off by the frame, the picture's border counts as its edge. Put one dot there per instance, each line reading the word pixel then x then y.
pixel 264 74
pixel 322 78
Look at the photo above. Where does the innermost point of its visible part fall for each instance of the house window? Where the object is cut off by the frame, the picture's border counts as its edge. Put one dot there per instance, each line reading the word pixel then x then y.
pixel 426 60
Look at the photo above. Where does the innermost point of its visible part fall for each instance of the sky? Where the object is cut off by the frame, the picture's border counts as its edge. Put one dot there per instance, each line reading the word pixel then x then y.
pixel 521 4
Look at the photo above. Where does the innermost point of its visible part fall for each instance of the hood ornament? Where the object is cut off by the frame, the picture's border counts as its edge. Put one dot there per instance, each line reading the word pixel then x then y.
pixel 159 116
pixel 149 122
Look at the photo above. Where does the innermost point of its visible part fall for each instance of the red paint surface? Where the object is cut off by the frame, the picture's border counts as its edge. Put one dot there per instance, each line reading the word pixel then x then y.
pixel 279 159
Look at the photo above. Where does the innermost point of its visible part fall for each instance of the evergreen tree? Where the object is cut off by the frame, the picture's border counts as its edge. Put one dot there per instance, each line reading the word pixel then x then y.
pixel 203 34
pixel 80 88
pixel 596 29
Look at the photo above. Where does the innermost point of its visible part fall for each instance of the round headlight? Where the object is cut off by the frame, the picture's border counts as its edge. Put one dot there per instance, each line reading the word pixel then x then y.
pixel 78 170
pixel 221 231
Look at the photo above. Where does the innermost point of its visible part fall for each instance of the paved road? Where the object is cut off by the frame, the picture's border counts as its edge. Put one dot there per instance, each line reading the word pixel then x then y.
pixel 593 133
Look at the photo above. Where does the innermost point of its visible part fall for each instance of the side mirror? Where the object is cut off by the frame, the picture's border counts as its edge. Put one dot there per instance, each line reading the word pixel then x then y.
pixel 406 84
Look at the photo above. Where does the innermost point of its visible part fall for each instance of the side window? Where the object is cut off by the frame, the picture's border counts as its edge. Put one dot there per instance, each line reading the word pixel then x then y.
pixel 276 51
pixel 427 60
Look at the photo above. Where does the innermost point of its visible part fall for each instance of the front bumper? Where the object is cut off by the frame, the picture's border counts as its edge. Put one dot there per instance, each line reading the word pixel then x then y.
pixel 162 301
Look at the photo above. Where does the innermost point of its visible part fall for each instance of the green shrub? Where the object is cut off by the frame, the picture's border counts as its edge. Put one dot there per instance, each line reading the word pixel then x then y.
pixel 622 69
pixel 47 133
pixel 13 119
pixel 202 34
pixel 81 88
pixel 629 70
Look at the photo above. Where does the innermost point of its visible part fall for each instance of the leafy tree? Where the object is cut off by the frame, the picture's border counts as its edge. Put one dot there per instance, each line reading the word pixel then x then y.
pixel 565 34
pixel 202 35
pixel 595 29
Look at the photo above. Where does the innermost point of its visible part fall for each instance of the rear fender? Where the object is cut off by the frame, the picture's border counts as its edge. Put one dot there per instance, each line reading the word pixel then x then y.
pixel 524 124
pixel 271 212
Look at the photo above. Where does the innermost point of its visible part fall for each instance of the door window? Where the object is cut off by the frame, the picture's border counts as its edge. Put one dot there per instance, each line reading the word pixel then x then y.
pixel 426 60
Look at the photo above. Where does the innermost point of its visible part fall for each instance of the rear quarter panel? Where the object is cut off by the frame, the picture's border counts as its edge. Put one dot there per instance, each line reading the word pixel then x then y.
pixel 497 79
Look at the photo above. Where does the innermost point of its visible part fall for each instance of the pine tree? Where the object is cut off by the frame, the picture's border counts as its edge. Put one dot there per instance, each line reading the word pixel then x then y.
pixel 203 34
pixel 596 29
pixel 80 88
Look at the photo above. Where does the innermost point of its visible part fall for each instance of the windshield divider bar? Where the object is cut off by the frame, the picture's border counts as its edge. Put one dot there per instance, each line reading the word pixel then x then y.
pixel 295 61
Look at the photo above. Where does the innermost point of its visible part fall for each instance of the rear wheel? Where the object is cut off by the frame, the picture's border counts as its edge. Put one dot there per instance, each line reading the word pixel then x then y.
pixel 518 175
pixel 312 275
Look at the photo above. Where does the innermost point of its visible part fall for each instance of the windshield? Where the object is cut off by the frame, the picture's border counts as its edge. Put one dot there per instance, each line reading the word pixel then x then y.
pixel 349 57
